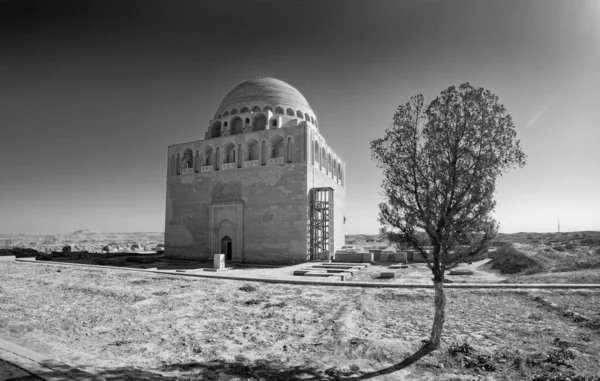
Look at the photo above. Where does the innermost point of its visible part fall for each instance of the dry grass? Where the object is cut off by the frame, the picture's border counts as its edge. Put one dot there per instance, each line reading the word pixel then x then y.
pixel 126 325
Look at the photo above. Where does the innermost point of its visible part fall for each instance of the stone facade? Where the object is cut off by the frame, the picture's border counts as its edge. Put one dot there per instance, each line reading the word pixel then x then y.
pixel 244 190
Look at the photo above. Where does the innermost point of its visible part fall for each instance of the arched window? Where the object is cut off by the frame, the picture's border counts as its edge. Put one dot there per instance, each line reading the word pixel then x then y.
pixel 268 108
pixel 290 150
pixel 252 149
pixel 307 117
pixel 225 124
pixel 208 156
pixel 237 125
pixel 317 155
pixel 247 121
pixel 218 159
pixel 229 152
pixel 240 158
pixel 234 111
pixel 255 109
pixel 340 173
pixel 215 130
pixel 322 159
pixel 226 113
pixel 244 109
pixel 263 153
pixel 274 123
pixel 312 120
pixel 329 164
pixel 259 123
pixel 299 114
pixel 277 146
pixel 279 110
pixel 290 112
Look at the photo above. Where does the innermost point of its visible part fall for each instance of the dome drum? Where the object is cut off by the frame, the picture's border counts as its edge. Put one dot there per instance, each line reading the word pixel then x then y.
pixel 278 101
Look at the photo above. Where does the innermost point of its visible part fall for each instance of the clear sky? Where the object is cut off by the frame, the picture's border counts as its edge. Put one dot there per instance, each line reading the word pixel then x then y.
pixel 93 92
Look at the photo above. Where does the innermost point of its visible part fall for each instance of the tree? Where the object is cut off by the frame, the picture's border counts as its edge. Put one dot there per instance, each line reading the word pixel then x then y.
pixel 440 164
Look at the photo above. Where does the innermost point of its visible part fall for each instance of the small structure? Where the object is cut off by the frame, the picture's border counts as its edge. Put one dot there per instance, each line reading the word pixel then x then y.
pixel 219 261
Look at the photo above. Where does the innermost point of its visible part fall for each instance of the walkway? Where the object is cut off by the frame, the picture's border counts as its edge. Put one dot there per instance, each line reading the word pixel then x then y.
pixel 279 276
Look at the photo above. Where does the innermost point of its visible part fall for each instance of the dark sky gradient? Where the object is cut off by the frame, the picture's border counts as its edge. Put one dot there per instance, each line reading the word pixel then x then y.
pixel 93 92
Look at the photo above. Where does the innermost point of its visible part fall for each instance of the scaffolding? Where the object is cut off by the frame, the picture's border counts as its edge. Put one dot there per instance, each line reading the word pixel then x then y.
pixel 321 223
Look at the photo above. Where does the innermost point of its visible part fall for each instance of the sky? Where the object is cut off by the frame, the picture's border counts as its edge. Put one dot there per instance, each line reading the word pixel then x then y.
pixel 93 92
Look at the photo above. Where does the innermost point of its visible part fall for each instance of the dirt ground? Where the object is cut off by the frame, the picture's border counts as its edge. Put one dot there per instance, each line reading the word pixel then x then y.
pixel 132 326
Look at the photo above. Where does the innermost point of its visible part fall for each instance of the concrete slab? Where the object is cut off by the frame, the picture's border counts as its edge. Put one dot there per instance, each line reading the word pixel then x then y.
pixel 399 266
pixel 388 274
pixel 346 273
pixel 354 268
pixel 352 264
pixel 332 270
pixel 461 272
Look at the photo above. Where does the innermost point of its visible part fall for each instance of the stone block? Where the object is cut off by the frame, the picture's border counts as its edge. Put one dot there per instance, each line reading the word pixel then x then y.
pixel 219 261
pixel 388 274
pixel 400 257
pixel 367 257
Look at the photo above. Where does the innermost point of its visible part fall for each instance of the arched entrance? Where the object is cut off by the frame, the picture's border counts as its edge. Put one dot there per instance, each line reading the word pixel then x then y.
pixel 226 247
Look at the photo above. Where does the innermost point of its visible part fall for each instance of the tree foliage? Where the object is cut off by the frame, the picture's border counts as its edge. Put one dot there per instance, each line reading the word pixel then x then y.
pixel 440 164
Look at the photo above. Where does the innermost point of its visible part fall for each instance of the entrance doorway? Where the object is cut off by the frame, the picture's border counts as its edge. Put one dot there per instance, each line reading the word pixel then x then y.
pixel 226 247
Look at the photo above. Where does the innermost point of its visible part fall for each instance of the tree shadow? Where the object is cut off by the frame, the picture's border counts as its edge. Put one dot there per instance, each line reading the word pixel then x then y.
pixel 251 370
pixel 423 351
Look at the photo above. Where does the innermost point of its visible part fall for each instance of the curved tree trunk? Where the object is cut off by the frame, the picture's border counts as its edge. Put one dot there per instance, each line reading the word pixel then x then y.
pixel 440 314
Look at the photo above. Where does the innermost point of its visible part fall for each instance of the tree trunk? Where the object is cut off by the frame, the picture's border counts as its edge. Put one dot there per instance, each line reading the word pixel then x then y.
pixel 440 314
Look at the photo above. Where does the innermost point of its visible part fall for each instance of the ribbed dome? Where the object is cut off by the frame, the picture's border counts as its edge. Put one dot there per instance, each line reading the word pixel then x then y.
pixel 262 92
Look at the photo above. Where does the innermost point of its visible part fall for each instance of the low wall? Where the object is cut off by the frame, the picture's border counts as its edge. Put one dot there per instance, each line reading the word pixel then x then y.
pixel 419 258
pixel 353 257
pixel 400 257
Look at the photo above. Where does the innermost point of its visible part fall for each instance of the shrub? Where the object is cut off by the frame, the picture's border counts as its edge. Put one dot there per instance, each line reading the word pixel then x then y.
pixel 277 305
pixel 537 317
pixel 481 361
pixel 560 343
pixel 252 302
pixel 559 248
pixel 569 246
pixel 248 288
pixel 463 348
pixel 560 357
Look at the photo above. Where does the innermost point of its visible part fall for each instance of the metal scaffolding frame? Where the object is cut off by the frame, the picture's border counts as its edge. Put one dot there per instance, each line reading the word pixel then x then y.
pixel 321 223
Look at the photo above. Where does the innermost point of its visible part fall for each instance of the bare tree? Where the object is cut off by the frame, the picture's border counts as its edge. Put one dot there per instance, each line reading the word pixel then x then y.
pixel 440 164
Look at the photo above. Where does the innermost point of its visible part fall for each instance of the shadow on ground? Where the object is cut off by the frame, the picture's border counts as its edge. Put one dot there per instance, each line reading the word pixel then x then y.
pixel 253 370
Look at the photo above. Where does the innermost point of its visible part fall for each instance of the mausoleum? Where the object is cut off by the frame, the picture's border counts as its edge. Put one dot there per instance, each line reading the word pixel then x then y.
pixel 262 186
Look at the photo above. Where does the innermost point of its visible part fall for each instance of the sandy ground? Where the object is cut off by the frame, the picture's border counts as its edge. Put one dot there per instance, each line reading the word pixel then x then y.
pixel 133 326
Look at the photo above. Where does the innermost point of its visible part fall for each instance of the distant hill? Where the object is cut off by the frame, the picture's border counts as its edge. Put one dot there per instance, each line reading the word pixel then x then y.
pixel 90 240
